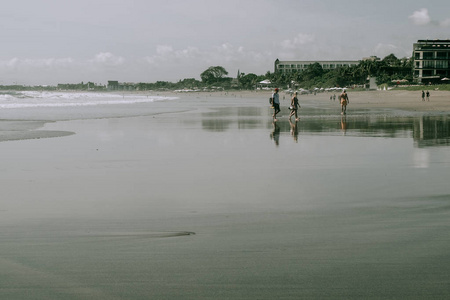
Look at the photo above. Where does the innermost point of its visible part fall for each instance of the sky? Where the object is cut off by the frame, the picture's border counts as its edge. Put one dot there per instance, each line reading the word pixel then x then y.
pixel 46 42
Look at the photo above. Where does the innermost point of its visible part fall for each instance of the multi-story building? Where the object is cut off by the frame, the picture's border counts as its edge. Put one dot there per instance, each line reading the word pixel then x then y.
pixel 300 65
pixel 431 60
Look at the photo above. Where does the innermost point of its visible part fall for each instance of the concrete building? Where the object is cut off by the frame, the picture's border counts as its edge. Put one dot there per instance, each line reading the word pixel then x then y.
pixel 431 60
pixel 300 65
pixel 113 85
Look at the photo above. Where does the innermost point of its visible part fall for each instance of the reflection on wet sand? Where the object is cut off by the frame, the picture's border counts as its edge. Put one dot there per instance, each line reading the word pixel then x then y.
pixel 294 130
pixel 426 130
pixel 221 119
pixel 275 134
pixel 431 131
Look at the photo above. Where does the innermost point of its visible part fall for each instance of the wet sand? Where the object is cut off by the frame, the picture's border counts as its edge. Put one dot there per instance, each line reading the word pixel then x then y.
pixel 216 202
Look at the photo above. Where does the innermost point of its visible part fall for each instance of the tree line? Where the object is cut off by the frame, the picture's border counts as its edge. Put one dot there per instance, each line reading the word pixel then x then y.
pixel 387 71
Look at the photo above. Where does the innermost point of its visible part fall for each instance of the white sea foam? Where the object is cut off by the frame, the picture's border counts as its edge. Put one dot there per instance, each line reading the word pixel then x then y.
pixel 35 99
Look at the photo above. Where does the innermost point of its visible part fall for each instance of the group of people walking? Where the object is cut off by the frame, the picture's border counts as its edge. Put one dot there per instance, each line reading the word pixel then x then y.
pixel 275 101
pixel 427 94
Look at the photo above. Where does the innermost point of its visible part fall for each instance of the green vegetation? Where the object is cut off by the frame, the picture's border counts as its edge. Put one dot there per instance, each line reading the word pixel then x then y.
pixel 387 71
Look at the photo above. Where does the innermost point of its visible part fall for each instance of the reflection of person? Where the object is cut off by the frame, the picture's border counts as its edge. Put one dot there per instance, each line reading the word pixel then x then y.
pixel 295 106
pixel 423 96
pixel 294 130
pixel 276 104
pixel 344 123
pixel 344 101
pixel 428 95
pixel 275 134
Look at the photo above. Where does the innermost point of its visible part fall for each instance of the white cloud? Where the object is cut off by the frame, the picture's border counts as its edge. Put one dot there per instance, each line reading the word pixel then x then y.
pixel 383 50
pixel 12 63
pixel 298 41
pixel 166 54
pixel 108 59
pixel 420 17
pixel 41 63
pixel 225 53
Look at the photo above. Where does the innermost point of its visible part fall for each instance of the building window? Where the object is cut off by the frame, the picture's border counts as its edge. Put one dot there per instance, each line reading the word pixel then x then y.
pixel 428 64
pixel 428 55
pixel 441 64
pixel 441 55
pixel 417 55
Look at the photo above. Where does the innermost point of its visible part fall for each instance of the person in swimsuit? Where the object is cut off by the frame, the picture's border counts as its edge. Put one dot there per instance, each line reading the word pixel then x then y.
pixel 344 101
pixel 295 106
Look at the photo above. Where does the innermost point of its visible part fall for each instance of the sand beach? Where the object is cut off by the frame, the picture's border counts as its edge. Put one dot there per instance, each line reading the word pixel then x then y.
pixel 202 196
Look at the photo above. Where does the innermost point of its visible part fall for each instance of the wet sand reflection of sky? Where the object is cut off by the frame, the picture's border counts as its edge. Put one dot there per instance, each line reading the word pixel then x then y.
pixel 425 130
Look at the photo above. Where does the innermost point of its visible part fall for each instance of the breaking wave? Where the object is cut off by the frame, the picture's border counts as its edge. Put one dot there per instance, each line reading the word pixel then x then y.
pixel 34 99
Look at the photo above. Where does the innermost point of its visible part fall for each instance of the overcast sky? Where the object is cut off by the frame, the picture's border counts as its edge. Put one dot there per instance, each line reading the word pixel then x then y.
pixel 69 41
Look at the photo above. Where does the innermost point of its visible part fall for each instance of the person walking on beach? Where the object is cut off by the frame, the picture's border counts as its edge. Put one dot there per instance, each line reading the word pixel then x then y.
pixel 294 106
pixel 428 95
pixel 276 104
pixel 423 96
pixel 344 101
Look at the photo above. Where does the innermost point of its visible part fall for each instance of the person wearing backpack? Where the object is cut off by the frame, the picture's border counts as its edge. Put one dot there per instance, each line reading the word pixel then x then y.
pixel 275 104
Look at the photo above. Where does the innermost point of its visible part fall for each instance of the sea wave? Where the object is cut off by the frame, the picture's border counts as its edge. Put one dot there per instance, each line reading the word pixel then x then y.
pixel 34 99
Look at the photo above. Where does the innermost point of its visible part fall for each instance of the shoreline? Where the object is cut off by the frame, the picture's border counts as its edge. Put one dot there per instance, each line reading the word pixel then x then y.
pixel 392 99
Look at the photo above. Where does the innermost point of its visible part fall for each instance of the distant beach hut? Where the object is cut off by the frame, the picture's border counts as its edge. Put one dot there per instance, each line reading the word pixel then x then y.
pixel 265 83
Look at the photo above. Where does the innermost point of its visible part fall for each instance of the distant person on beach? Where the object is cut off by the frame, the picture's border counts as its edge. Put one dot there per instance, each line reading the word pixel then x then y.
pixel 276 104
pixel 428 95
pixel 343 97
pixel 294 107
pixel 423 96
